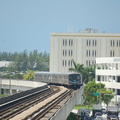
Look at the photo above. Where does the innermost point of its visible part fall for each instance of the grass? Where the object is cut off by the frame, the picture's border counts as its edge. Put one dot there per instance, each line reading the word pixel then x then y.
pixel 2 95
pixel 77 107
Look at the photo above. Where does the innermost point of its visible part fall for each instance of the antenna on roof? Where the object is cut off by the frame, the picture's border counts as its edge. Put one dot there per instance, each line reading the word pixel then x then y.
pixel 68 29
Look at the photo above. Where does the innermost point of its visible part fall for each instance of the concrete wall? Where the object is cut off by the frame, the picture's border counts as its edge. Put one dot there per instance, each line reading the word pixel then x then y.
pixel 21 83
pixel 21 94
pixel 11 86
pixel 64 112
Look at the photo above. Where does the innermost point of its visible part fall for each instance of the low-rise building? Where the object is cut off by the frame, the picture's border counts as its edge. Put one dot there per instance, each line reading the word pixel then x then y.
pixel 5 63
pixel 108 72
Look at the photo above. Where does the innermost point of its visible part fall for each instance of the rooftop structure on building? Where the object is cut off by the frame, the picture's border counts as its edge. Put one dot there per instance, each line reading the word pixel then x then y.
pixel 89 30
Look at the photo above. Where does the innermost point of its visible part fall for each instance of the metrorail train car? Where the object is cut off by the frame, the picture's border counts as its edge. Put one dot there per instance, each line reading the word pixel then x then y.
pixel 59 78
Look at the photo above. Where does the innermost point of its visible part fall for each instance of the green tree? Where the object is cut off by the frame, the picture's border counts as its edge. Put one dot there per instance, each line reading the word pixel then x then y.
pixel 108 95
pixel 72 116
pixel 92 87
pixel 29 75
pixel 24 60
pixel 89 74
pixel 32 59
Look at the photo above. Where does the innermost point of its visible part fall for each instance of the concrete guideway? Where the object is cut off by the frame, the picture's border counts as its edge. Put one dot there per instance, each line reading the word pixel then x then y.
pixel 37 106
pixel 62 113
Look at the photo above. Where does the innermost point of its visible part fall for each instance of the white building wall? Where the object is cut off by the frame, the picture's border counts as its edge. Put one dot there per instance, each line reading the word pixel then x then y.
pixel 97 45
pixel 108 72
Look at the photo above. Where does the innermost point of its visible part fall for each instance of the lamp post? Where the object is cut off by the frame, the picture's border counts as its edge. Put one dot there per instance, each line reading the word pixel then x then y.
pixel 0 84
pixel 10 85
pixel 100 92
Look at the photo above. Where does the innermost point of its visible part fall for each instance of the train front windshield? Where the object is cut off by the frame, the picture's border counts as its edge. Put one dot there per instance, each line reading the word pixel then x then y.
pixel 74 78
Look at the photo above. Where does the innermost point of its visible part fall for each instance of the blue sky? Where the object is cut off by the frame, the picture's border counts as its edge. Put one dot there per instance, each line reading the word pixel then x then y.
pixel 27 24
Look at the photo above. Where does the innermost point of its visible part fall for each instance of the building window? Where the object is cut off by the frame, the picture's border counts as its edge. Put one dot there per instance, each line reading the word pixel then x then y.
pixel 86 62
pixel 111 43
pixel 87 42
pixel 63 62
pixel 93 53
pixel 117 43
pixel 99 79
pixel 87 53
pixel 118 91
pixel 71 42
pixel 63 52
pixel 111 53
pixel 89 62
pixel 63 42
pixel 93 42
pixel 69 63
pixel 118 78
pixel 71 53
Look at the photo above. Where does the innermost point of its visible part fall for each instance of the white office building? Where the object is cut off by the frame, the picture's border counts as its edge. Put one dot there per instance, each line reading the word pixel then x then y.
pixel 82 47
pixel 108 72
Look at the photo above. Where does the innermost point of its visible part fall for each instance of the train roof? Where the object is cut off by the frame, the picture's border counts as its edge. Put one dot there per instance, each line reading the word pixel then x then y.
pixel 55 73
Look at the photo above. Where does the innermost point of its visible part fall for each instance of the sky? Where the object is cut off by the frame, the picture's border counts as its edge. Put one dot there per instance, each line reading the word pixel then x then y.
pixel 27 24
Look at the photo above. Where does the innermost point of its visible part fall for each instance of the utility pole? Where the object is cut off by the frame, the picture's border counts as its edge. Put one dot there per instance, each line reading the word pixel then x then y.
pixel 0 84
pixel 100 94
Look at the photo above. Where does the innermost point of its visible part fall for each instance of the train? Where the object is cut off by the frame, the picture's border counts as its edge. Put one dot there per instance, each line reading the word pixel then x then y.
pixel 72 80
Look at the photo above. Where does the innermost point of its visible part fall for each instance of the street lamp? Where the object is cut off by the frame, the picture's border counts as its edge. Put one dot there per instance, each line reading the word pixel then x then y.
pixel 0 84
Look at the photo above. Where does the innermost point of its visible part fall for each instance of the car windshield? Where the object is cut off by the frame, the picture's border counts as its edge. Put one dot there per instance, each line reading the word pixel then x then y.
pixel 99 118
pixel 112 116
pixel 98 114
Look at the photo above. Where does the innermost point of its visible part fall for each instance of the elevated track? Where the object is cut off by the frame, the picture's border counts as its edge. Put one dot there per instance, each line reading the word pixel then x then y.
pixel 46 104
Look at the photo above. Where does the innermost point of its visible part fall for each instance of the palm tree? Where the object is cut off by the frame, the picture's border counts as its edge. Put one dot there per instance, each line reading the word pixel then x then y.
pixel 88 73
pixel 77 67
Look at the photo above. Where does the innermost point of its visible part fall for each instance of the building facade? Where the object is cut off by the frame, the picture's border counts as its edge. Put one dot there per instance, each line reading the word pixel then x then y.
pixel 81 47
pixel 108 72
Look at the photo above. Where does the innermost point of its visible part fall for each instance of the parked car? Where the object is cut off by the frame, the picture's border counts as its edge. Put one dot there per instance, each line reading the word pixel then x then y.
pixel 112 117
pixel 98 114
pixel 104 110
pixel 100 118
